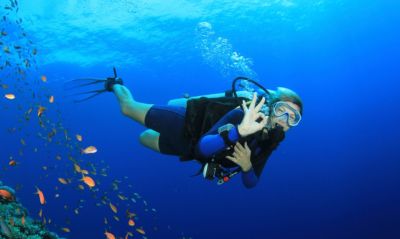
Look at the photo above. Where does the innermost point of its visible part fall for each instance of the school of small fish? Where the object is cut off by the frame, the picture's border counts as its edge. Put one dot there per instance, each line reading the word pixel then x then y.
pixel 26 90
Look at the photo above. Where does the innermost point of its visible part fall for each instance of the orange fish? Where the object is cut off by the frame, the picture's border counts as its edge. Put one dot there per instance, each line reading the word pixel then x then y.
pixel 113 208
pixel 41 196
pixel 79 137
pixel 43 78
pixel 88 181
pixel 7 195
pixel 109 235
pixel 9 96
pixel 131 223
pixel 89 150
pixel 12 163
pixel 51 99
pixel 23 220
pixel 40 111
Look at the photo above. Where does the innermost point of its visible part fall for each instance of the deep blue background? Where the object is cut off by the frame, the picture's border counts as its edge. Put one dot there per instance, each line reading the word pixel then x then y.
pixel 335 176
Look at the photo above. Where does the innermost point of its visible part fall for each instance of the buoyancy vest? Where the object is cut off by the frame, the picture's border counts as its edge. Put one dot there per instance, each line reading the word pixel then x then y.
pixel 203 113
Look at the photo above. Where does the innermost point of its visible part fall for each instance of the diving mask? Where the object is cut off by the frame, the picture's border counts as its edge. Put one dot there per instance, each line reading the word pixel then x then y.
pixel 283 109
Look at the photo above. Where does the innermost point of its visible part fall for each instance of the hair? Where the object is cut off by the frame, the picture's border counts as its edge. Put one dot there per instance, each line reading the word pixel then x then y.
pixel 285 94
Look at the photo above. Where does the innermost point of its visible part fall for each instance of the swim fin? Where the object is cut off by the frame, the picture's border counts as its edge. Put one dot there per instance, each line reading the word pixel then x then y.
pixel 88 82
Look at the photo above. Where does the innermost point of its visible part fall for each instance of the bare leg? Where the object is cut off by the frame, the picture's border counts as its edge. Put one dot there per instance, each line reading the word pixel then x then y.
pixel 129 107
pixel 149 138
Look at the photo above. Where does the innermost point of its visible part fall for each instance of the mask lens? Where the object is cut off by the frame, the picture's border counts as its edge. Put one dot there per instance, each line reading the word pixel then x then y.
pixel 293 117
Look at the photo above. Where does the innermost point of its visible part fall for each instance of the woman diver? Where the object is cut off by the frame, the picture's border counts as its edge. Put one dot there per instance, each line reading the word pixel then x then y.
pixel 221 131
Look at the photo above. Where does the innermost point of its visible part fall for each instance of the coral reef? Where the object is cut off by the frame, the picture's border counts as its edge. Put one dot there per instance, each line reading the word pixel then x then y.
pixel 15 222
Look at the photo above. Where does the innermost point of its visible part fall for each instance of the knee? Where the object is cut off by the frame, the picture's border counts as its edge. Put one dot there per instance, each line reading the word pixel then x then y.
pixel 149 138
pixel 144 137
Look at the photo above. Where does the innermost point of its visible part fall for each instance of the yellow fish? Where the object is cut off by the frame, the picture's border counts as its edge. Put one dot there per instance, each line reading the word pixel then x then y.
pixel 9 96
pixel 63 181
pixel 141 231
pixel 89 150
pixel 83 171
pixel 79 137
pixel 40 111
pixel 128 234
pixel 77 168
pixel 113 208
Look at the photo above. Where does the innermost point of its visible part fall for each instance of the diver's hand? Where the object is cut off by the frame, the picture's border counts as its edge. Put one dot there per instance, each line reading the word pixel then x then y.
pixel 241 156
pixel 249 124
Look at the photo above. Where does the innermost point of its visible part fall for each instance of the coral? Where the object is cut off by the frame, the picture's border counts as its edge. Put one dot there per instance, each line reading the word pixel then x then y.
pixel 16 224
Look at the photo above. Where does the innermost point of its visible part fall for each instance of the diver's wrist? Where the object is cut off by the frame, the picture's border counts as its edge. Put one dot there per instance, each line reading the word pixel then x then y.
pixel 247 168
pixel 241 131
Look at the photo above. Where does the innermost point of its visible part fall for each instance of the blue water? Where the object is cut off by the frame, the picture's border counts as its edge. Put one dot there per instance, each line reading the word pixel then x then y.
pixel 336 175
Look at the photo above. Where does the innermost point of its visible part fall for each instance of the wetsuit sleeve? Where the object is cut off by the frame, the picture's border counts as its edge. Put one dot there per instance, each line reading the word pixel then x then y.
pixel 249 178
pixel 212 143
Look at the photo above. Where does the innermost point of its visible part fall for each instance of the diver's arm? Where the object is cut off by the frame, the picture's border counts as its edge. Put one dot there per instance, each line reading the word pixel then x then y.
pixel 242 156
pixel 212 142
pixel 249 178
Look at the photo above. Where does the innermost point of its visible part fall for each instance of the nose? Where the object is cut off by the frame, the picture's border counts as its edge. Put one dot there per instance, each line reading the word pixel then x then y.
pixel 282 121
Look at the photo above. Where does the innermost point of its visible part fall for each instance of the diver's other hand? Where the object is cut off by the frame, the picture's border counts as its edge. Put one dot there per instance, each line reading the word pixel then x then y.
pixel 249 124
pixel 111 81
pixel 241 156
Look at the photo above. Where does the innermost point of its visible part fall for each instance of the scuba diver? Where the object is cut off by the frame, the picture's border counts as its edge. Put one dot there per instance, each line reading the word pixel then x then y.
pixel 228 133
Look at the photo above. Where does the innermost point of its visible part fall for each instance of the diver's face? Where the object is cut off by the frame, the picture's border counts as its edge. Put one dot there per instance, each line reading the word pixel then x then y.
pixel 282 120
